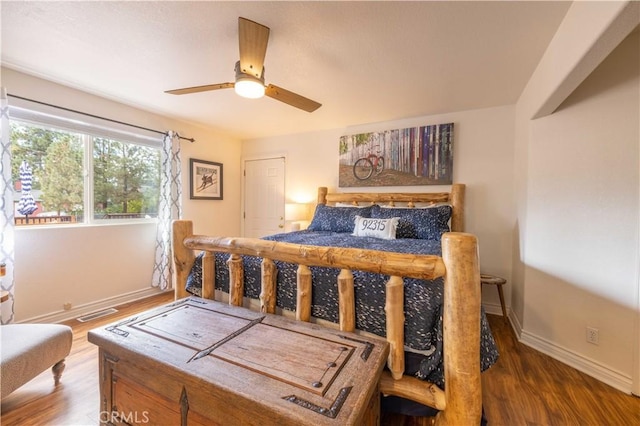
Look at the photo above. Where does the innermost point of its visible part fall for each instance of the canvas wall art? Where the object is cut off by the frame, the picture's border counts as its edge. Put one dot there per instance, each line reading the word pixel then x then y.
pixel 412 156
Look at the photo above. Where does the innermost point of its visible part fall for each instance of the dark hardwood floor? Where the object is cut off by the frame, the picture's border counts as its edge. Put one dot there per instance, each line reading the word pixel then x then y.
pixel 523 388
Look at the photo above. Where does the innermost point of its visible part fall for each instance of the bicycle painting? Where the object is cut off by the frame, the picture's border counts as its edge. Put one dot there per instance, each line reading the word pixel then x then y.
pixel 411 156
pixel 366 166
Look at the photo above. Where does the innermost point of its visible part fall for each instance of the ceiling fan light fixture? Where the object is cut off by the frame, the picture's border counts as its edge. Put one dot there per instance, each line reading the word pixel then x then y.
pixel 249 87
pixel 249 82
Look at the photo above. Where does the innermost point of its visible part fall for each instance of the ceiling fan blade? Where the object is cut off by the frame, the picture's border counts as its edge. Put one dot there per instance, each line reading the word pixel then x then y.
pixel 197 89
pixel 293 99
pixel 253 46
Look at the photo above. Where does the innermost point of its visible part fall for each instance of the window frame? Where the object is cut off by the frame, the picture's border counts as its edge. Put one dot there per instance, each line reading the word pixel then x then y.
pixel 87 130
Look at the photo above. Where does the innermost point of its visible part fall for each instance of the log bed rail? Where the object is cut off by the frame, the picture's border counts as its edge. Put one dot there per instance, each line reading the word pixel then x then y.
pixel 461 400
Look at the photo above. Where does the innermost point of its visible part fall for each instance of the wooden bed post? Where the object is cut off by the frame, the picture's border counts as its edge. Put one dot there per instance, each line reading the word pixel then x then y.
pixel 209 275
pixel 461 335
pixel 303 294
pixel 183 258
pixel 347 300
pixel 269 275
pixel 394 308
pixel 236 280
pixel 322 195
pixel 456 198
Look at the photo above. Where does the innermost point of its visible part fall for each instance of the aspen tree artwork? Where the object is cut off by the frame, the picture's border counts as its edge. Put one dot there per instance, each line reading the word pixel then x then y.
pixel 412 156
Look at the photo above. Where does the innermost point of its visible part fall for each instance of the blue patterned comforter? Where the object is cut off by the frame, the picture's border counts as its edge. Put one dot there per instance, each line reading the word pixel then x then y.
pixel 423 299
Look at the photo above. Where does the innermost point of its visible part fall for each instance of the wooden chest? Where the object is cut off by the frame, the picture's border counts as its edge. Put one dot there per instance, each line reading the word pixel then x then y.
pixel 201 362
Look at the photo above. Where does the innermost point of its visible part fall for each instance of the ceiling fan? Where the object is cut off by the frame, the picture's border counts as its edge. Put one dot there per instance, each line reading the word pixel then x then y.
pixel 250 71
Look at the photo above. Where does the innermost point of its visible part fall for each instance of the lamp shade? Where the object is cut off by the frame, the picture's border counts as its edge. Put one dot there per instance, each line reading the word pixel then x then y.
pixel 296 211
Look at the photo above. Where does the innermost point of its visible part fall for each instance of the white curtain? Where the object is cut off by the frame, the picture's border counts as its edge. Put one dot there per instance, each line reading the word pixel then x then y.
pixel 169 209
pixel 6 209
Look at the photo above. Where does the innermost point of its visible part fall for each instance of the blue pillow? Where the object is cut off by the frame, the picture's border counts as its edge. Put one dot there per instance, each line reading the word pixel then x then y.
pixel 425 224
pixel 337 219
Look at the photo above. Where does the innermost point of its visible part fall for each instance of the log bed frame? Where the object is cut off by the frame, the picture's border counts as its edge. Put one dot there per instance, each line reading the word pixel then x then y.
pixel 461 400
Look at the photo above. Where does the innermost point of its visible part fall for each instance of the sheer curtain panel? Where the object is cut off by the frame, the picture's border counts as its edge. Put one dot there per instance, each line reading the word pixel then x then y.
pixel 169 209
pixel 6 213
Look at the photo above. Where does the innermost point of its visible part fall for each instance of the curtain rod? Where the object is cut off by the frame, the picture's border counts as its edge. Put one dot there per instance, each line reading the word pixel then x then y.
pixel 97 116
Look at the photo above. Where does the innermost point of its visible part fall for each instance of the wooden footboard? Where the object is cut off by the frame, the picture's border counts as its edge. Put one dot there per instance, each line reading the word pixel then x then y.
pixel 461 401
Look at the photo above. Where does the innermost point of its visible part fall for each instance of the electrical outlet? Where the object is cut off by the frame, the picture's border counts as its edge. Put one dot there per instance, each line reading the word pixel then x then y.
pixel 593 336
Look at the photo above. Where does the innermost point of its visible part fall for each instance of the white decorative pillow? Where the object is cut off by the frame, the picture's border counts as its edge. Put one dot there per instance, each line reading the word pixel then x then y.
pixel 378 228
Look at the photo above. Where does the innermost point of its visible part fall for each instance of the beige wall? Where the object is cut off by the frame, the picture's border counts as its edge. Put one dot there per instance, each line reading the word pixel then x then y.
pixel 483 160
pixel 576 180
pixel 582 215
pixel 92 266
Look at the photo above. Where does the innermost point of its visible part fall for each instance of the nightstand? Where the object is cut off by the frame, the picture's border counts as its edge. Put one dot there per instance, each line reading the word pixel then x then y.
pixel 498 282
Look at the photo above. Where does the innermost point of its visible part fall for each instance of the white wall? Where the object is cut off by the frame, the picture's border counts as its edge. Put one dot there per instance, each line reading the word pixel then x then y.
pixel 577 185
pixel 582 214
pixel 91 266
pixel 587 34
pixel 483 160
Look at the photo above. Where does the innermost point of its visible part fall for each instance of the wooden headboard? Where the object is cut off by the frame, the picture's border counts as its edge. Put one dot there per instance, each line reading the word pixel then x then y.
pixel 455 198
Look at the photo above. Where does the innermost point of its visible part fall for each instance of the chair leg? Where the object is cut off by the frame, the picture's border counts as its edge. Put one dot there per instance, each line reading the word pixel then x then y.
pixel 504 309
pixel 57 370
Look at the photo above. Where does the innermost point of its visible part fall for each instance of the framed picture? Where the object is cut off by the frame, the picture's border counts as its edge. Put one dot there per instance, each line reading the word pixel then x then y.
pixel 205 178
pixel 421 155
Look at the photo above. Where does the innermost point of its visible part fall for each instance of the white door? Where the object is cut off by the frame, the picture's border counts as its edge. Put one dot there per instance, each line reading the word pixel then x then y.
pixel 263 197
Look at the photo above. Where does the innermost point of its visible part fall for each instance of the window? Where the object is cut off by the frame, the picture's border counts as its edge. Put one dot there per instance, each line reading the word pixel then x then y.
pixel 126 180
pixel 82 178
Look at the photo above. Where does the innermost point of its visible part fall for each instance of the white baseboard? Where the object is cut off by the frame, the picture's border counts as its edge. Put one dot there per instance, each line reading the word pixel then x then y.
pixel 60 316
pixel 581 363
pixel 515 324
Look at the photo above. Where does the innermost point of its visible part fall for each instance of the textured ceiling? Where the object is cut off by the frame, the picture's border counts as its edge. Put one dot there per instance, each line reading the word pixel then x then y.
pixel 364 61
